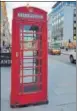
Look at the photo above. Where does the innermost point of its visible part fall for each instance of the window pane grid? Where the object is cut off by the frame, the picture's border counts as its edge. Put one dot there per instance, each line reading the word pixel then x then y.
pixel 30 58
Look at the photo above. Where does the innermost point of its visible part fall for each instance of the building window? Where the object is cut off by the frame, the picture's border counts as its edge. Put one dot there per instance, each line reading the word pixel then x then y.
pixel 74 34
pixel 74 11
pixel 74 21
pixel 74 31
pixel 74 28
pixel 74 15
pixel 74 18
pixel 61 13
pixel 74 25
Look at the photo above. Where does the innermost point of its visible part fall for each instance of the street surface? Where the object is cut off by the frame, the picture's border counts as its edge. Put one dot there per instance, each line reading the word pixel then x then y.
pixel 61 86
pixel 63 58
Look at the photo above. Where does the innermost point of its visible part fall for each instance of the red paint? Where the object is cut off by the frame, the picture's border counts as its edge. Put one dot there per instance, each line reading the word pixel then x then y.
pixel 35 26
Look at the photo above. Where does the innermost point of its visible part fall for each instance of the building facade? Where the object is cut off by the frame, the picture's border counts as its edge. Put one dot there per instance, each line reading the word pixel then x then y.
pixel 74 25
pixel 5 33
pixel 49 31
pixel 62 21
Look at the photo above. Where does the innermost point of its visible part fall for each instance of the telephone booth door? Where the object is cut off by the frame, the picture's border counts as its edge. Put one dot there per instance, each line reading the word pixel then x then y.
pixel 30 58
pixel 29 84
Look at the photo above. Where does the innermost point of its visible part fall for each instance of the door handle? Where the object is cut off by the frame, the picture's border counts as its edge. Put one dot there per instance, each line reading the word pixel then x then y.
pixel 17 54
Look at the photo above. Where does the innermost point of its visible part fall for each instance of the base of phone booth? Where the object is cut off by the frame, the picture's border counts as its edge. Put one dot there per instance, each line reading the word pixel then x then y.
pixel 27 105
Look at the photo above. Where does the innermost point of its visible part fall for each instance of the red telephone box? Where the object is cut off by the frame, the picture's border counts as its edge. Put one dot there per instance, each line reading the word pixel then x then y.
pixel 29 57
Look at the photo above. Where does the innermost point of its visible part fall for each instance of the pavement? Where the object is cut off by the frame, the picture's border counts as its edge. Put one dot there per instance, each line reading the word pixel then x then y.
pixel 61 87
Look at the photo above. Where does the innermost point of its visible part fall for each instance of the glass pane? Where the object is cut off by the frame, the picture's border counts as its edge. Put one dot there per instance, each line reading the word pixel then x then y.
pixel 30 27
pixel 28 37
pixel 32 88
pixel 29 79
pixel 32 79
pixel 25 64
pixel 27 72
pixel 30 71
pixel 27 53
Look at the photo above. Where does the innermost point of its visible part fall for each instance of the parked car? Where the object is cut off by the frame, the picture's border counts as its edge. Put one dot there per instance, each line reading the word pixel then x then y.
pixel 55 51
pixel 72 56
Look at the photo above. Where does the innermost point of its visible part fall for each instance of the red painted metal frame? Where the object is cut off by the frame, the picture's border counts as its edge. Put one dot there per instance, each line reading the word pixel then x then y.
pixel 18 98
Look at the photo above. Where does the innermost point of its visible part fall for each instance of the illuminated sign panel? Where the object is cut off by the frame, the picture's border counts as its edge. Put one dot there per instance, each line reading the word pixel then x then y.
pixel 28 15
